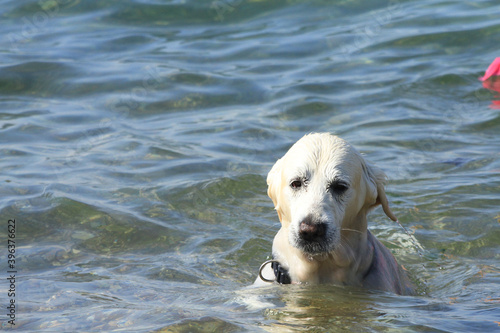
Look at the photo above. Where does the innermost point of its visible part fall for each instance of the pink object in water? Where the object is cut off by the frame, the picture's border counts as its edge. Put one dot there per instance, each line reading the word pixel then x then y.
pixel 495 105
pixel 493 69
pixel 493 85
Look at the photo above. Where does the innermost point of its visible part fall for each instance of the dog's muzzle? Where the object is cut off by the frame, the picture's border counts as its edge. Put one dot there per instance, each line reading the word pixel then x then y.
pixel 313 236
pixel 312 232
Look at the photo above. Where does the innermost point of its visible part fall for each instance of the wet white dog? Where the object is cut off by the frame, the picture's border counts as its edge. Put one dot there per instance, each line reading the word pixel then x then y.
pixel 323 190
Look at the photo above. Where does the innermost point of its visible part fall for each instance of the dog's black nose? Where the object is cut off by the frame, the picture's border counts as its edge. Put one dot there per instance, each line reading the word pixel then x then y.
pixel 311 231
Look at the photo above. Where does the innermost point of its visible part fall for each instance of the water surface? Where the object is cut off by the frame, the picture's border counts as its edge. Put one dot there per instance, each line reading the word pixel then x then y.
pixel 136 137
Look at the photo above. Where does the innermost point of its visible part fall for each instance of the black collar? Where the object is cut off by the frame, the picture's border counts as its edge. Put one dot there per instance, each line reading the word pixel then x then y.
pixel 281 274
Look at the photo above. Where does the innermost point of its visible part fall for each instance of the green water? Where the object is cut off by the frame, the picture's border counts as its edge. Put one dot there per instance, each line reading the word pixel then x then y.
pixel 136 137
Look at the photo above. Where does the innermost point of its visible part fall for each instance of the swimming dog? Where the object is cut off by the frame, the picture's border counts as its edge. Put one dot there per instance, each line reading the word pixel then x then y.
pixel 322 190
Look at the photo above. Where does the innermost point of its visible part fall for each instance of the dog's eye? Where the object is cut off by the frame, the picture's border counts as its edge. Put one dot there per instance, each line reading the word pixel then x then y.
pixel 338 187
pixel 296 184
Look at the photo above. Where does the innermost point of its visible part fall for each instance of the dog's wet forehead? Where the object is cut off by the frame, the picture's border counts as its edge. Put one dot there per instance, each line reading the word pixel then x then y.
pixel 330 165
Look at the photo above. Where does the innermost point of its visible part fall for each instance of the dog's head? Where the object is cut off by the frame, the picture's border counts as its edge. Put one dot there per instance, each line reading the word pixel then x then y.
pixel 321 186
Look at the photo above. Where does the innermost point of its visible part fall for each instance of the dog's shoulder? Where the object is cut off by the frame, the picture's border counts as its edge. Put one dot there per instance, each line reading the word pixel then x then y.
pixel 384 272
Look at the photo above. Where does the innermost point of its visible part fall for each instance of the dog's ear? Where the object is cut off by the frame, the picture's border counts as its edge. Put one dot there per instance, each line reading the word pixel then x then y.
pixel 274 184
pixel 378 178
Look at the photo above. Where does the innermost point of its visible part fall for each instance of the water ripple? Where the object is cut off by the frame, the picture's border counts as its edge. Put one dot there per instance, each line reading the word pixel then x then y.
pixel 136 137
